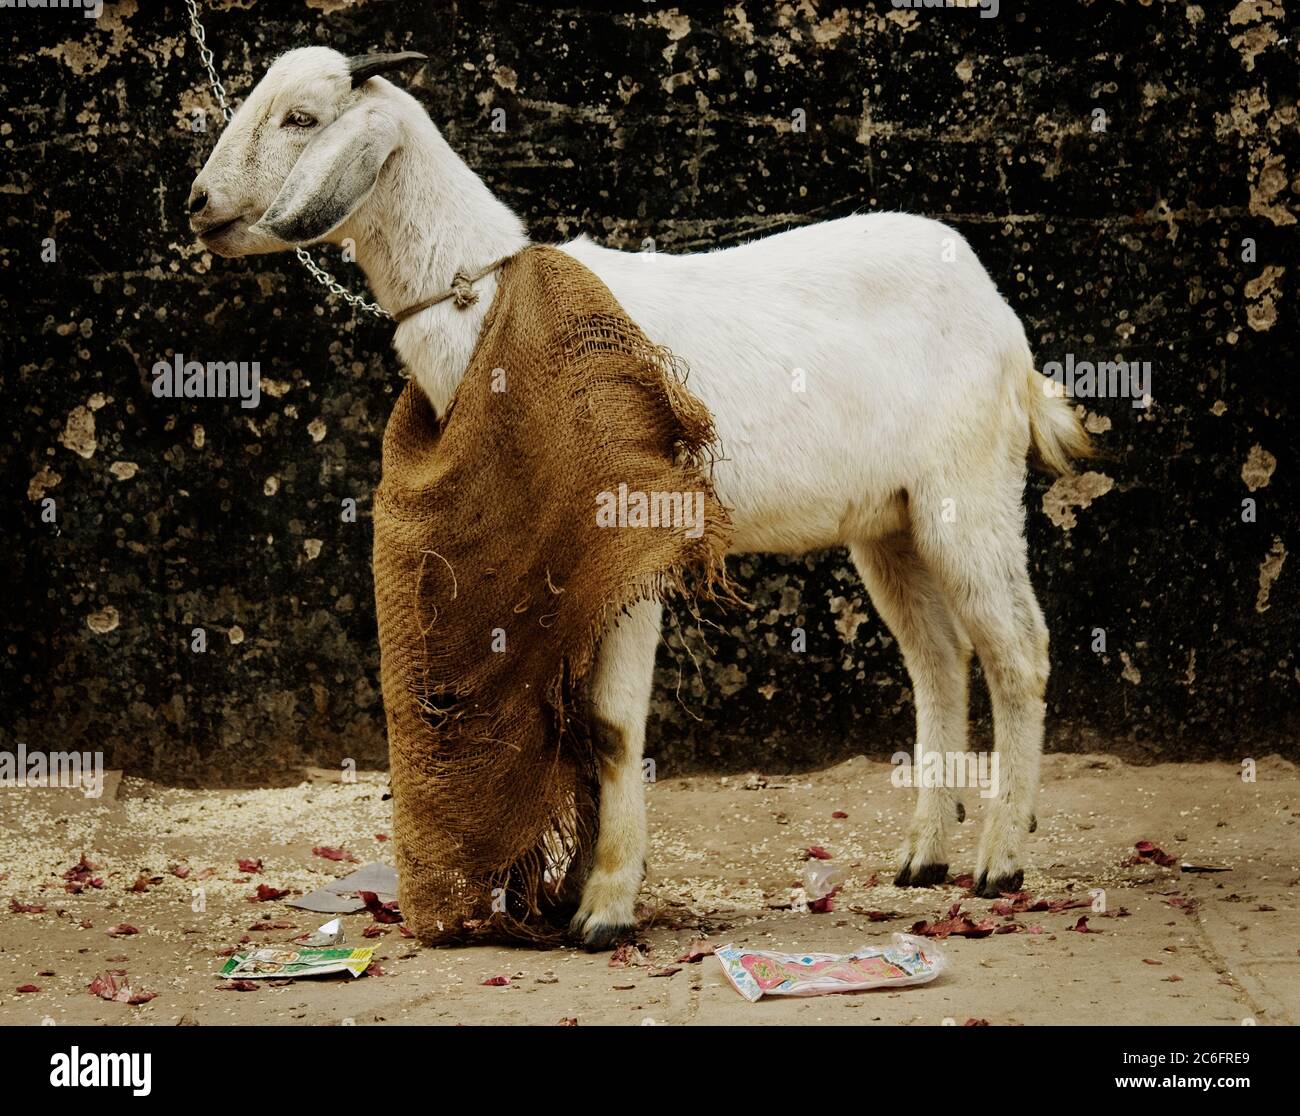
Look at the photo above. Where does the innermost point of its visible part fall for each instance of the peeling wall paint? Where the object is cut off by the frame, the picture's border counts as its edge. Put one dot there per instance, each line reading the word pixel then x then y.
pixel 1075 491
pixel 1169 236
pixel 1258 469
pixel 1269 570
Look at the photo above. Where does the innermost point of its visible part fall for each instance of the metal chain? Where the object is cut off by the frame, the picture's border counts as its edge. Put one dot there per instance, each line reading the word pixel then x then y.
pixel 326 280
pixel 323 277
pixel 205 55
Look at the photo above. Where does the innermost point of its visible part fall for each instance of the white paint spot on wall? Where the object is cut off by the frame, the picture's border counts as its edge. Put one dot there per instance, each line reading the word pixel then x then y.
pixel 103 621
pixel 848 619
pixel 1269 569
pixel 1072 492
pixel 79 432
pixel 1095 424
pixel 1258 469
pixel 42 482
pixel 1264 294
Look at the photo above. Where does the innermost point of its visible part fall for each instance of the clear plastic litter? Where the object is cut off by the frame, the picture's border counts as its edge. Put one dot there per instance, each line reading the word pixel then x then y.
pixel 822 878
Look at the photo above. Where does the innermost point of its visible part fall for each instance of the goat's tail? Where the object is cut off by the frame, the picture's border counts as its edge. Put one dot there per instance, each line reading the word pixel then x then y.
pixel 1055 431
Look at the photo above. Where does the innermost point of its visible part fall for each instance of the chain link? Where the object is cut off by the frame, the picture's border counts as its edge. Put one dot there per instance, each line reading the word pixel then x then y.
pixel 323 277
pixel 326 280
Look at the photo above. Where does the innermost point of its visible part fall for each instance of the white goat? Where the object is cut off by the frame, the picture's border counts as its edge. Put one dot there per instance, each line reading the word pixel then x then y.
pixel 908 444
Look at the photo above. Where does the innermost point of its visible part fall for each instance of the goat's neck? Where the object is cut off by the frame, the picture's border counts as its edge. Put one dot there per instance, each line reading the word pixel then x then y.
pixel 429 217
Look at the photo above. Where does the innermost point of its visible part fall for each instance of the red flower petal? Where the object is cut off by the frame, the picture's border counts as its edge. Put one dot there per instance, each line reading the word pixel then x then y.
pixel 698 949
pixel 238 986
pixel 955 925
pixel 329 853
pixel 25 908
pixel 382 912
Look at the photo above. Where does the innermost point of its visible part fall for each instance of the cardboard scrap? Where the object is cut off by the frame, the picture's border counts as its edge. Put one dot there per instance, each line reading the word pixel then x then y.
pixel 340 897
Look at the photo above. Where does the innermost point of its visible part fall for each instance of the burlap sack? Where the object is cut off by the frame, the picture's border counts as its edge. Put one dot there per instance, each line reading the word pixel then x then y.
pixel 494 580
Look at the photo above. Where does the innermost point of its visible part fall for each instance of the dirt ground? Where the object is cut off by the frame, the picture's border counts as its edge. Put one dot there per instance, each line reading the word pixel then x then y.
pixel 1193 948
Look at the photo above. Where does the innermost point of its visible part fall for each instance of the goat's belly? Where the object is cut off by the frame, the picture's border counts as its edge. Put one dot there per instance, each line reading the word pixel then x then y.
pixel 771 532
pixel 788 511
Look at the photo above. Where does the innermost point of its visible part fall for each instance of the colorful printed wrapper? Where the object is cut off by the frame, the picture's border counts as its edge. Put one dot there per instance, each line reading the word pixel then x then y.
pixel 291 961
pixel 756 973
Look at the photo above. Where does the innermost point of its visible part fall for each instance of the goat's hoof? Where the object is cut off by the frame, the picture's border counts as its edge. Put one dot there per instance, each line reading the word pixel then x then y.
pixel 998 886
pixel 595 930
pixel 608 910
pixel 596 937
pixel 927 875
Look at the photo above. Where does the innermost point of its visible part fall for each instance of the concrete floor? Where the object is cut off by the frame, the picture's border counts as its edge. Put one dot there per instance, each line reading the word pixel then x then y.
pixel 725 853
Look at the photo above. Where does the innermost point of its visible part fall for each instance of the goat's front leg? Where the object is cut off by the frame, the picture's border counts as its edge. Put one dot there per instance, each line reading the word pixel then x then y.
pixel 620 696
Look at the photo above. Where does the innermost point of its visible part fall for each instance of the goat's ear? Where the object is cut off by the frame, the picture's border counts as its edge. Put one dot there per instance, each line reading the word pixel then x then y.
pixel 332 176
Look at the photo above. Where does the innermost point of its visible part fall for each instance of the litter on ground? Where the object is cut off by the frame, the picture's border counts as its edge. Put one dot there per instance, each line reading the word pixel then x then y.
pixel 756 973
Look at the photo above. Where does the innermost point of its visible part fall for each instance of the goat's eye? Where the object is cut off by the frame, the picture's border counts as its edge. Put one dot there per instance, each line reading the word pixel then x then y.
pixel 297 119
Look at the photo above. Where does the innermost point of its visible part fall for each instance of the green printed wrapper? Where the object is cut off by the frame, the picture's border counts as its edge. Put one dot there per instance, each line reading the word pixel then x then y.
pixel 288 961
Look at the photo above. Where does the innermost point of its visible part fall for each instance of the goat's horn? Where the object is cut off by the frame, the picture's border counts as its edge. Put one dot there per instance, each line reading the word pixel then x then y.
pixel 363 66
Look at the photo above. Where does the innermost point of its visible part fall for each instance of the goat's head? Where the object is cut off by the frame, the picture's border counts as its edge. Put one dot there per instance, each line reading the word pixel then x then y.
pixel 301 154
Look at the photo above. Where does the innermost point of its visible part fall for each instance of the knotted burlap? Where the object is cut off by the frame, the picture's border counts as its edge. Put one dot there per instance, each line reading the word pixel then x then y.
pixel 494 581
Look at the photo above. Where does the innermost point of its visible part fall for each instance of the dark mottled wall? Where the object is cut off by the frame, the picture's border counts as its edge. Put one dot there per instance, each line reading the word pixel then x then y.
pixel 1131 242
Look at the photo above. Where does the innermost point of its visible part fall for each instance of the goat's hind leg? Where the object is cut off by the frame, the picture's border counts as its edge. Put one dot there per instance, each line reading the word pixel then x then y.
pixel 980 560
pixel 620 698
pixel 937 655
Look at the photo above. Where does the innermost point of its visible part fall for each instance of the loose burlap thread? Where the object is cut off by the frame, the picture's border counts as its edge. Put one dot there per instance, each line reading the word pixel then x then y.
pixel 494 582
